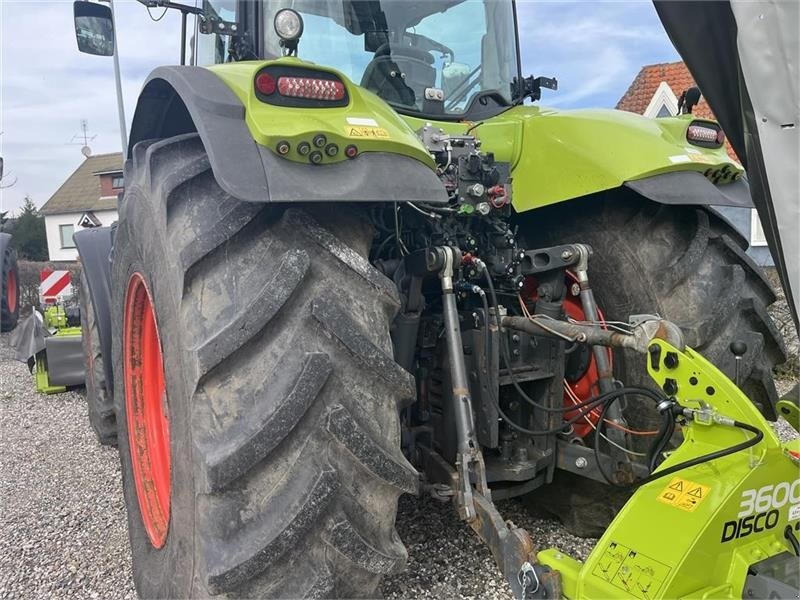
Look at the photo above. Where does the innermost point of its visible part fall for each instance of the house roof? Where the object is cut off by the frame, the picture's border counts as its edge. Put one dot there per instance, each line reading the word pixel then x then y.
pixel 677 76
pixel 81 191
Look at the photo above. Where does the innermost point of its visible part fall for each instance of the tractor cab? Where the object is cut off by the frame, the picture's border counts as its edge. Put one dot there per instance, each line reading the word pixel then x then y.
pixel 439 59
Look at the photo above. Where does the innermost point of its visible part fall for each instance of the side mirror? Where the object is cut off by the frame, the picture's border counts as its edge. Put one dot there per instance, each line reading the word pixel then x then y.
pixel 454 74
pixel 94 28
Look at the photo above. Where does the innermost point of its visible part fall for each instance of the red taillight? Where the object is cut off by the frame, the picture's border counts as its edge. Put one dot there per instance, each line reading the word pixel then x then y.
pixel 704 135
pixel 265 83
pixel 314 89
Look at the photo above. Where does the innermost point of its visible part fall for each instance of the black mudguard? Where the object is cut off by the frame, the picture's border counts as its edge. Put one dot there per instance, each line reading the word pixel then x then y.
pixel 94 247
pixel 178 100
pixel 691 187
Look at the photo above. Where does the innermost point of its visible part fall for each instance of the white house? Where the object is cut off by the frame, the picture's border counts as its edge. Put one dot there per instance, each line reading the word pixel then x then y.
pixel 88 198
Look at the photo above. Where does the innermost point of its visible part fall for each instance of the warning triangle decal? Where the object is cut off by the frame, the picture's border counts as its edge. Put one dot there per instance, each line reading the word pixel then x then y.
pixel 697 492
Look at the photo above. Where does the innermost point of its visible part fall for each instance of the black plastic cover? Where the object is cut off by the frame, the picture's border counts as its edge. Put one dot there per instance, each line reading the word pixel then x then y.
pixel 65 361
pixel 705 33
pixel 689 187
pixel 94 247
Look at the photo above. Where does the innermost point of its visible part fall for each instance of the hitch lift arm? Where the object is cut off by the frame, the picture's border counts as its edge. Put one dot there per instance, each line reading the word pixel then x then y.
pixel 511 546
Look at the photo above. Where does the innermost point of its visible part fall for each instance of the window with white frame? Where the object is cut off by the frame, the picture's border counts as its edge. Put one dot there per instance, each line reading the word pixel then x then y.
pixel 663 104
pixel 66 232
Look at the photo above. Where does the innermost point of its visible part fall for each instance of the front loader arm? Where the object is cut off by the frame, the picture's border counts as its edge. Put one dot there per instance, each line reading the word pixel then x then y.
pixel 697 532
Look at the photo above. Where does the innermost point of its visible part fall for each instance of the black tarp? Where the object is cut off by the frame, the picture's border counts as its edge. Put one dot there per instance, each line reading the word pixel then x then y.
pixel 706 34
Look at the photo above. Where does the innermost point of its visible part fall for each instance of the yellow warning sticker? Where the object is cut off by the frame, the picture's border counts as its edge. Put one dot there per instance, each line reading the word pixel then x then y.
pixel 366 132
pixel 629 570
pixel 684 494
pixel 701 158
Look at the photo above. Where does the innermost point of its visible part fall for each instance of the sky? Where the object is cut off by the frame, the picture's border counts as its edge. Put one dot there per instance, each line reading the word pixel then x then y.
pixel 594 48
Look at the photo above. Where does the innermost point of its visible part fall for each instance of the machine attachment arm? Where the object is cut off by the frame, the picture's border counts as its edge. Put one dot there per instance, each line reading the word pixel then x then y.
pixel 638 339
pixel 697 502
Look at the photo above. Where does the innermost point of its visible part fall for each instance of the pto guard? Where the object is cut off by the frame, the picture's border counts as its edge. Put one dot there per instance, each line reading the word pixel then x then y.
pixel 697 532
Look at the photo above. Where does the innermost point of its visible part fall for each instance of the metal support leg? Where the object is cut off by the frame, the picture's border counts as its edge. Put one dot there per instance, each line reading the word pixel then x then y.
pixel 469 460
pixel 511 546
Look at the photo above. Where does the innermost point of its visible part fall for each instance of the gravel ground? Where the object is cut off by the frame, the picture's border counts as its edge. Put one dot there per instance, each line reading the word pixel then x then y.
pixel 62 518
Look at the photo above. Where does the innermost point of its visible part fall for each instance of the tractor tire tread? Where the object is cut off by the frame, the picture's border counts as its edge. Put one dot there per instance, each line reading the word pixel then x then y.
pixel 274 368
pixel 99 400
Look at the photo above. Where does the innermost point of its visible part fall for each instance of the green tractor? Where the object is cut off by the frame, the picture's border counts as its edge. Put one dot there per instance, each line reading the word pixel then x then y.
pixel 352 263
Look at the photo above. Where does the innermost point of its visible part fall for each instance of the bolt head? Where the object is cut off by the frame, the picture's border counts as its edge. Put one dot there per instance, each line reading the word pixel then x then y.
pixel 476 190
pixel 581 462
pixel 566 254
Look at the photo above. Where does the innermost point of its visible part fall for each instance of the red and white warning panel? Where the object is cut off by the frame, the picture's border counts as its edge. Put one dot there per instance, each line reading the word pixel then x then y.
pixel 54 286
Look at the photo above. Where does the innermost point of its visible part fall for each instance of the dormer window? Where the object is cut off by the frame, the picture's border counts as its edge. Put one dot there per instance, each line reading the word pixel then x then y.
pixel 663 112
pixel 663 104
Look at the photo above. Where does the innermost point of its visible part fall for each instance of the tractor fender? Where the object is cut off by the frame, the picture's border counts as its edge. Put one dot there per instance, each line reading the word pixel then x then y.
pixel 692 188
pixel 94 247
pixel 185 99
pixel 559 155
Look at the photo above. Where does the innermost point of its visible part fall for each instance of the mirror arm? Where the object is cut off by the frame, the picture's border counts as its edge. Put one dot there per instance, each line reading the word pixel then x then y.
pixel 185 12
pixel 531 87
pixel 168 4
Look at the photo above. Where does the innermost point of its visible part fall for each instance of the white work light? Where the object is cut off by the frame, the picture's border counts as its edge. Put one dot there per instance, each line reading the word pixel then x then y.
pixel 288 24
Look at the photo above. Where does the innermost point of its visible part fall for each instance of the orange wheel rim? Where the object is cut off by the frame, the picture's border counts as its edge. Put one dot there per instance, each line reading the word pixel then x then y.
pixel 146 409
pixel 11 291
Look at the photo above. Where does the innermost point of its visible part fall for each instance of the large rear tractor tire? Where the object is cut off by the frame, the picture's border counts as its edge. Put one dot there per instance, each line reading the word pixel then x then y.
pixel 684 263
pixel 258 398
pixel 102 416
pixel 9 290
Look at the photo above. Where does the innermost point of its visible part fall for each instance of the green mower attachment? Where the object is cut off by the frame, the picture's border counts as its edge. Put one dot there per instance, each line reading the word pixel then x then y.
pixel 50 343
pixel 64 342
pixel 711 522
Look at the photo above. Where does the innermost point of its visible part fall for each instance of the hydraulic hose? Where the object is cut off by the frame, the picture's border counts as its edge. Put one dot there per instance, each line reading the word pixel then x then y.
pixel 665 431
pixel 506 355
pixel 788 533
pixel 606 400
pixel 660 444
pixel 758 435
